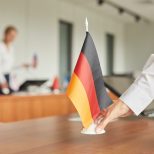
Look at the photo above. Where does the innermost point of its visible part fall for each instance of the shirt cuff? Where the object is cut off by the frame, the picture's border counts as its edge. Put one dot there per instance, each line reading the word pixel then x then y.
pixel 136 99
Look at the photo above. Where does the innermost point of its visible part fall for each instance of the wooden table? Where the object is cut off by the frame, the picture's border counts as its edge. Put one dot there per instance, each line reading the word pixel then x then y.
pixel 57 135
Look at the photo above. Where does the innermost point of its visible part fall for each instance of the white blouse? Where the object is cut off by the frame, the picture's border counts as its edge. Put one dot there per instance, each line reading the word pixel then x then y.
pixel 141 93
pixel 6 60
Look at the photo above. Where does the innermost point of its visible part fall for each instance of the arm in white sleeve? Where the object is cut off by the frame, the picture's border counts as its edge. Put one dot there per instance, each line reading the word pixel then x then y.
pixel 141 93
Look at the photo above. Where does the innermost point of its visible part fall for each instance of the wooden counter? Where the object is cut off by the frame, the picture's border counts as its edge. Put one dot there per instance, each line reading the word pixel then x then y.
pixel 57 135
pixel 15 108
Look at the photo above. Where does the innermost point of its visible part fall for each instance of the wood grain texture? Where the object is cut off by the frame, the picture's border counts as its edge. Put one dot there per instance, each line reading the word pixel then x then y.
pixel 16 108
pixel 57 135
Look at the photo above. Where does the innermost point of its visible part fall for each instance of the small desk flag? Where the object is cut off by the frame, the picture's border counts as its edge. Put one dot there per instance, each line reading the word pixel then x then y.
pixel 86 89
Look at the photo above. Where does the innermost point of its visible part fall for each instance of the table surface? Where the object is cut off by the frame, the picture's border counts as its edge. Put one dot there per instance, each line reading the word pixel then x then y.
pixel 57 135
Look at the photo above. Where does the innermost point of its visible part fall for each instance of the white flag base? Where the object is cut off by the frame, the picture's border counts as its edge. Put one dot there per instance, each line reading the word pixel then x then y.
pixel 91 130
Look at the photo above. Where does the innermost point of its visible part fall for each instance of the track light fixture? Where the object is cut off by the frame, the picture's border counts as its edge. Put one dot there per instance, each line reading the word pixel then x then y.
pixel 122 10
pixel 137 18
pixel 100 2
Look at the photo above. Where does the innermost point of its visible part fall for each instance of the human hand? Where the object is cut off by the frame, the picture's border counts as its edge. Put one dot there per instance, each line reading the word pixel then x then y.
pixel 5 88
pixel 117 109
pixel 26 65
pixel 4 85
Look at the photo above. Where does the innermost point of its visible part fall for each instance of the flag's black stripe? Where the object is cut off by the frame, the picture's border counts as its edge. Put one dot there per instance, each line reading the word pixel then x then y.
pixel 90 52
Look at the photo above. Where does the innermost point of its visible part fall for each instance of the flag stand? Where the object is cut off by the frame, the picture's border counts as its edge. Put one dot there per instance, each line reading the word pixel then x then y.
pixel 91 130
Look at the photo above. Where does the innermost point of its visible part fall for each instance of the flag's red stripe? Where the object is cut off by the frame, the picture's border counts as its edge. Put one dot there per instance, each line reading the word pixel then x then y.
pixel 84 73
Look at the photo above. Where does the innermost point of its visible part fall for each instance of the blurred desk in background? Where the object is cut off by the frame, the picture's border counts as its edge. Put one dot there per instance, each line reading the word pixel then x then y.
pixel 27 106
pixel 15 108
pixel 118 84
pixel 22 107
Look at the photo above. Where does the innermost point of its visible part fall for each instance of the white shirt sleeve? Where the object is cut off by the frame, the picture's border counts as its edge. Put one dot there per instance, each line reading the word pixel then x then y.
pixel 2 78
pixel 141 93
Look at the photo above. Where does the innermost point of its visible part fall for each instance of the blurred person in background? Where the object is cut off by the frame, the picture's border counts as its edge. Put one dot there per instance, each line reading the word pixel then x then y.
pixel 7 59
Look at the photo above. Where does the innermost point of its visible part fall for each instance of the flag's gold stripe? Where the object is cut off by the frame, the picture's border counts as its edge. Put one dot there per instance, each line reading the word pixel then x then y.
pixel 78 96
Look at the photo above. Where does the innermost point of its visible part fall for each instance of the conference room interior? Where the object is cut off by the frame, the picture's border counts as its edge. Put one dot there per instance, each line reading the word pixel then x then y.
pixel 37 116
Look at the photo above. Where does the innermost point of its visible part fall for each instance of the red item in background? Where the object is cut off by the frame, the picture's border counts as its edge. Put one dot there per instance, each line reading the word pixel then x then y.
pixel 55 84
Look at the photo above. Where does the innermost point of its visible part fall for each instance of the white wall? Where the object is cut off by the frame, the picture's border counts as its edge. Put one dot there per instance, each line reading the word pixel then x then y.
pixel 139 45
pixel 37 21
pixel 14 13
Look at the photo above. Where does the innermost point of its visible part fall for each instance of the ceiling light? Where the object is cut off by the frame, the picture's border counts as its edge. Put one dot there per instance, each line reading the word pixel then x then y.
pixel 137 18
pixel 100 2
pixel 121 10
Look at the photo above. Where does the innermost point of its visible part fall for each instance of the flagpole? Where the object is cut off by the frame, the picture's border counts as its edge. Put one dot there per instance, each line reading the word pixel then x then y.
pixel 86 24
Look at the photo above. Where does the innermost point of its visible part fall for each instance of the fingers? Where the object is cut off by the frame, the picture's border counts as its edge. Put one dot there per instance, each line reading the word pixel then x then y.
pixel 109 116
pixel 4 85
pixel 117 109
pixel 102 120
pixel 101 116
pixel 99 119
pixel 102 125
pixel 111 113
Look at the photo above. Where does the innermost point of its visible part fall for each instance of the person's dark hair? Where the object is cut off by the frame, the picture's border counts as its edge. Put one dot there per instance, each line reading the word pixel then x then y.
pixel 9 29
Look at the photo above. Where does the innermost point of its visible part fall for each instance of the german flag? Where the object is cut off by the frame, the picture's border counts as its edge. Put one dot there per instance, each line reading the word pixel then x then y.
pixel 86 89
